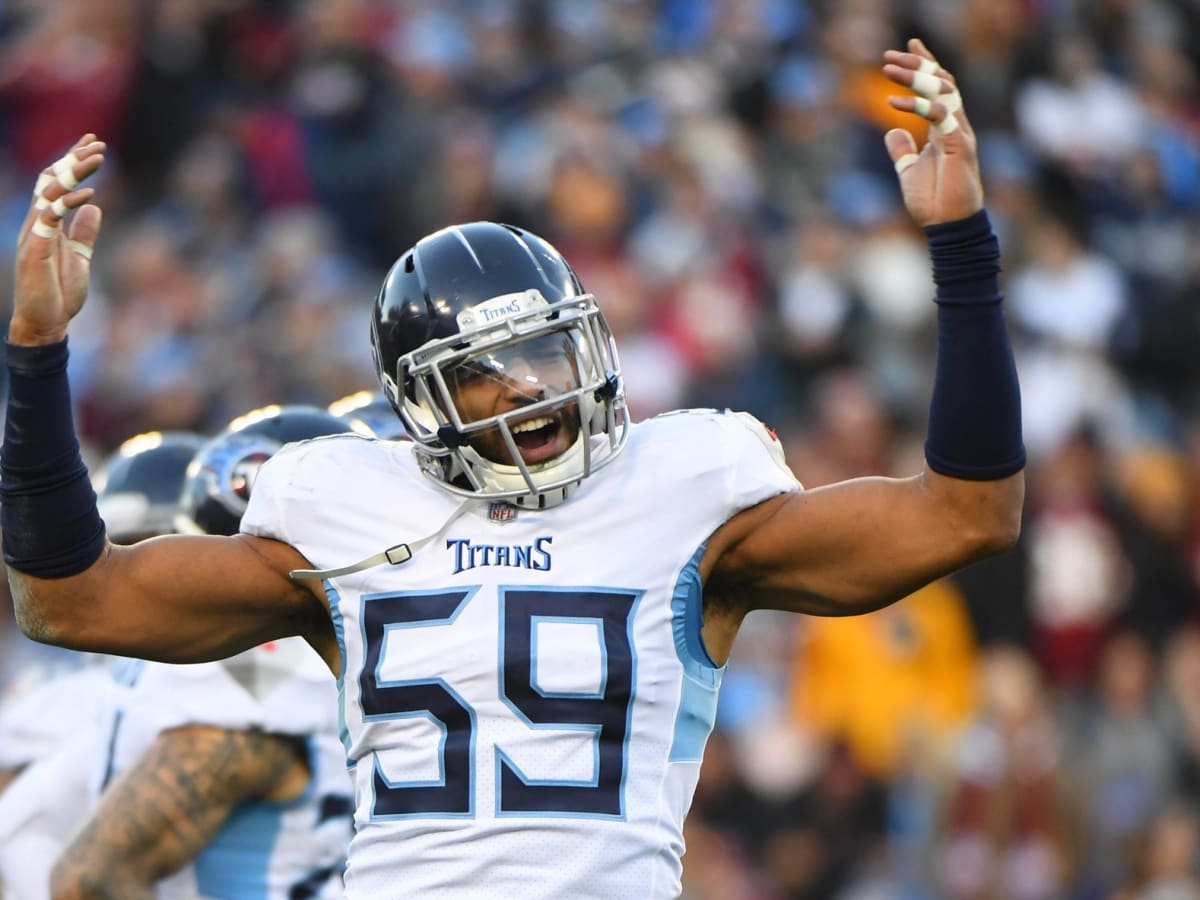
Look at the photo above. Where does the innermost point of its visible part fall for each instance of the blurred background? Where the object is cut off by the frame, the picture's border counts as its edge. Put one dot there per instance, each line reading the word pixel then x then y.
pixel 715 171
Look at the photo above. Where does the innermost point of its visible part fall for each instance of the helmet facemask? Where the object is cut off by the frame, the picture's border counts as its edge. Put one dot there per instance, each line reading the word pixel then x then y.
pixel 521 405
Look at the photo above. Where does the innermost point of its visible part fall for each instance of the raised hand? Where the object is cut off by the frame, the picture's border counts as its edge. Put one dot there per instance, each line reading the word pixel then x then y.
pixel 53 254
pixel 941 183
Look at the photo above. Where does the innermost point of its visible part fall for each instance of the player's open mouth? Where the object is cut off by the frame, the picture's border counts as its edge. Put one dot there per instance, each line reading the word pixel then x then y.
pixel 538 438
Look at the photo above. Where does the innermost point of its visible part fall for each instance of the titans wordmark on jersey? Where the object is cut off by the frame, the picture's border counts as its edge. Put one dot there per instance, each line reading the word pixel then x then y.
pixel 524 702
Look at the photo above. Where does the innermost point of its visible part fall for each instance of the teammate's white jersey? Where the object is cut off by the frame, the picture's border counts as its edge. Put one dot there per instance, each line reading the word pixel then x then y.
pixel 525 702
pixel 41 811
pixel 50 708
pixel 49 731
pixel 267 850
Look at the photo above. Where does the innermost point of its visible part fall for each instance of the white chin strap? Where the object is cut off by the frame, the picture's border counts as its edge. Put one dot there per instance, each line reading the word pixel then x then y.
pixel 396 555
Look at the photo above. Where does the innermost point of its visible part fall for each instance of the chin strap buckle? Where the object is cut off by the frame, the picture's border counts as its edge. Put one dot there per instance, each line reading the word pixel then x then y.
pixel 608 390
pixel 451 437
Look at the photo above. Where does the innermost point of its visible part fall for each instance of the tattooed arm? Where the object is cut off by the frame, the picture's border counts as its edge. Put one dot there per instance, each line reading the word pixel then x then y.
pixel 159 814
pixel 7 777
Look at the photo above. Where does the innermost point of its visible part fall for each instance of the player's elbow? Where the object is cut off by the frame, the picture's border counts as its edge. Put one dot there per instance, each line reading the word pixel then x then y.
pixel 991 521
pixel 31 615
pixel 51 611
pixel 979 518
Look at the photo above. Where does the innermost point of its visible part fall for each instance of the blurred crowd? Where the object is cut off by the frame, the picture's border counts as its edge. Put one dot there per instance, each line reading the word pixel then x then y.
pixel 715 171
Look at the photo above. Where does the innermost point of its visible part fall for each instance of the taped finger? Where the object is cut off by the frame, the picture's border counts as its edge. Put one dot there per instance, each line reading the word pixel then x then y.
pixel 81 248
pixel 948 125
pixel 42 230
pixel 952 101
pixel 922 107
pixel 927 85
pixel 44 181
pixel 905 162
pixel 59 207
pixel 64 170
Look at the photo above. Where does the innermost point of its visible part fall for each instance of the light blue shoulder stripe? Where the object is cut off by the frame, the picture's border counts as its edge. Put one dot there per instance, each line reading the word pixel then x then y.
pixel 701 681
pixel 339 630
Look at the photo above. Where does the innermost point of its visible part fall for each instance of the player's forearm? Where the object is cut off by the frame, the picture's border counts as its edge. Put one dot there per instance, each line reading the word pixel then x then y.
pixel 52 531
pixel 974 449
pixel 70 883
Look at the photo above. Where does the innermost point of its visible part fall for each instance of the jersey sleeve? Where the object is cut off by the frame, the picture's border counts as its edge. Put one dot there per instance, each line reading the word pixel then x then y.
pixel 40 719
pixel 756 469
pixel 274 486
pixel 40 811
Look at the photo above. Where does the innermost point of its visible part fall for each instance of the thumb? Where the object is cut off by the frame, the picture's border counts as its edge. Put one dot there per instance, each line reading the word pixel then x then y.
pixel 901 148
pixel 85 229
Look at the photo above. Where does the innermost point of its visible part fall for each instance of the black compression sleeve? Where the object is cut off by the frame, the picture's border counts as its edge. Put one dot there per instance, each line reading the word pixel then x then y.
pixel 48 513
pixel 975 411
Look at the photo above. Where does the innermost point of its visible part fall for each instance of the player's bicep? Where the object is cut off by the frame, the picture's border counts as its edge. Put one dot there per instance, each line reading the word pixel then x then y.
pixel 854 546
pixel 190 598
pixel 160 813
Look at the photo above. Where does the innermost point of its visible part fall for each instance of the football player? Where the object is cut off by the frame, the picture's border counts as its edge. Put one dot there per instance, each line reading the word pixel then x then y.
pixel 529 606
pixel 48 740
pixel 221 779
pixel 57 730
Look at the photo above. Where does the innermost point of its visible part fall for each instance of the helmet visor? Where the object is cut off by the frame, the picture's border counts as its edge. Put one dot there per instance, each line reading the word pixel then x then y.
pixel 494 381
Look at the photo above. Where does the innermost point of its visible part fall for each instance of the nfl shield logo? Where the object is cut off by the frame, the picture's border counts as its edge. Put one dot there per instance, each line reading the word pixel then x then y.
pixel 502 512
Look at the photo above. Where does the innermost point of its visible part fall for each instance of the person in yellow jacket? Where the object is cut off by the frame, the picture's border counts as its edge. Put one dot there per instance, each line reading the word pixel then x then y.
pixel 891 680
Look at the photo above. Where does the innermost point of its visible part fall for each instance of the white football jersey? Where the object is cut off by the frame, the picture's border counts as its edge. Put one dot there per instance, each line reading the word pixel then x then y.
pixel 40 812
pixel 525 702
pixel 49 709
pixel 274 851
pixel 50 731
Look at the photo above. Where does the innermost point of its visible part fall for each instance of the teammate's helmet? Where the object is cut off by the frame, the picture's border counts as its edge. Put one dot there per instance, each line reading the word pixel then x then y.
pixel 221 476
pixel 370 414
pixel 475 301
pixel 138 486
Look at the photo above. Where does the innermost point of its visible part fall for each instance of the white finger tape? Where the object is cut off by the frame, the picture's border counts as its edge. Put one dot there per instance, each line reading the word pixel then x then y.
pixel 59 207
pixel 43 182
pixel 948 125
pixel 927 85
pixel 952 101
pixel 921 106
pixel 927 66
pixel 905 162
pixel 64 171
pixel 81 248
pixel 42 230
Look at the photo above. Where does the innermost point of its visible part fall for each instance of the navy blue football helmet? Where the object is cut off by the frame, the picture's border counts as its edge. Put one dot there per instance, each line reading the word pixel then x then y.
pixel 221 476
pixel 490 301
pixel 138 486
pixel 370 414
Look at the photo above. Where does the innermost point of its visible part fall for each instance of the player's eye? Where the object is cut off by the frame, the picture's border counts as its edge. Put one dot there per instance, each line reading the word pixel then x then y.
pixel 471 372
